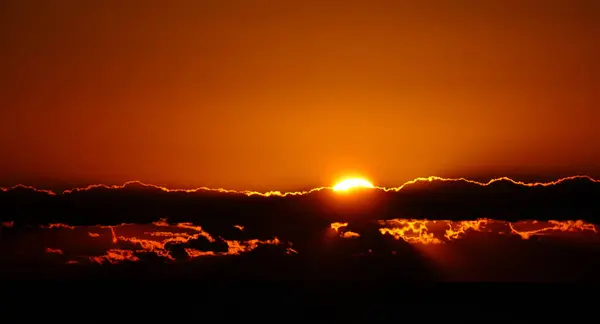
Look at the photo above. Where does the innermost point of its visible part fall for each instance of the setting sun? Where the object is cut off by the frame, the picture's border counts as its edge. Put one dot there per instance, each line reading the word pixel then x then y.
pixel 352 183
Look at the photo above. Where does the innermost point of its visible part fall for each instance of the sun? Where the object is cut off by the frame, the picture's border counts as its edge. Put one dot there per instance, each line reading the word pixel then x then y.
pixel 348 184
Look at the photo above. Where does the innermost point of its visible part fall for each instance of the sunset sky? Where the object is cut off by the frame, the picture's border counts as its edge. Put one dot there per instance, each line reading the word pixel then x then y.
pixel 279 95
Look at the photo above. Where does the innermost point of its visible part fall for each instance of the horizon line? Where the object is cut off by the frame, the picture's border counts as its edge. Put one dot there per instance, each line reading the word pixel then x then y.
pixel 298 193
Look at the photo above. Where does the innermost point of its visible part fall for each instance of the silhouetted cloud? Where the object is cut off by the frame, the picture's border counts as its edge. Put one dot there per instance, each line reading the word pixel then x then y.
pixel 321 234
pixel 425 198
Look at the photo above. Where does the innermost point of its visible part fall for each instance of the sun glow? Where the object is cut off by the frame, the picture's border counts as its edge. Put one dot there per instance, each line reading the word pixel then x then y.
pixel 348 184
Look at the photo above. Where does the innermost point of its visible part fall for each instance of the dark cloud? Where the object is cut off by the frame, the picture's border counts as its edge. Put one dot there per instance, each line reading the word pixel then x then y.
pixel 146 232
pixel 448 200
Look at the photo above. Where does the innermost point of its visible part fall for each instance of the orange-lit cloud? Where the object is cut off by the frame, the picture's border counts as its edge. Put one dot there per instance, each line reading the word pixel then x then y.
pixel 337 227
pixel 457 229
pixel 412 231
pixel 197 229
pixel 130 241
pixel 156 241
pixel 551 227
pixel 436 232
pixel 59 225
pixel 350 234
pixel 114 235
pixel 114 256
pixel 233 248
pixel 193 253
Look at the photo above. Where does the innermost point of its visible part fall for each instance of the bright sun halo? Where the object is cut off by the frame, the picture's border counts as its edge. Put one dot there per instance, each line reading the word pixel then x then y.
pixel 352 183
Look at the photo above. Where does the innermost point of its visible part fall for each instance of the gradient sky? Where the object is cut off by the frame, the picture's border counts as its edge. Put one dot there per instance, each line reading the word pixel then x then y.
pixel 277 94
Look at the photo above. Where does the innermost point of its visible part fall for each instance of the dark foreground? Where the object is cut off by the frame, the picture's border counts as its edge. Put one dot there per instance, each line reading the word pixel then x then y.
pixel 318 257
pixel 337 301
pixel 328 285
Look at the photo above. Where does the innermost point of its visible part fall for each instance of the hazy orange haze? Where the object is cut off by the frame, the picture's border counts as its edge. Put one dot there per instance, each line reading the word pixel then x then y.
pixel 276 95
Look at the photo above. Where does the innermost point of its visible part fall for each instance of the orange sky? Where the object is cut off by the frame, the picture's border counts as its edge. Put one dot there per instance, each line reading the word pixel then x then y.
pixel 265 95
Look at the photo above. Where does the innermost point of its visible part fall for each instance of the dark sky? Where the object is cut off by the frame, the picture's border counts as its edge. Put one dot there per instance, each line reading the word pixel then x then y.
pixel 286 94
